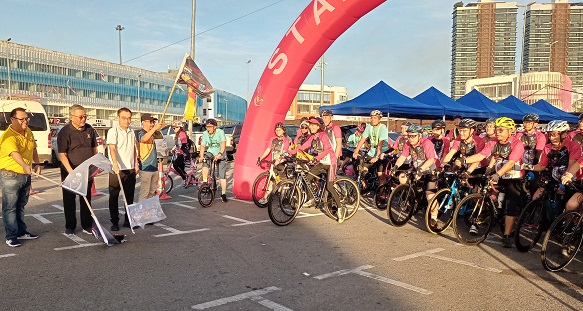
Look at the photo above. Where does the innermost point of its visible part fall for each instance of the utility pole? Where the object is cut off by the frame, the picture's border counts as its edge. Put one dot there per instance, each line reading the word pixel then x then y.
pixel 322 64
pixel 8 67
pixel 192 34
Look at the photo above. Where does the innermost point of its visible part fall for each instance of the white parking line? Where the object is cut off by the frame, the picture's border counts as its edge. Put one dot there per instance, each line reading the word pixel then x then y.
pixel 374 277
pixel 41 219
pixel 183 205
pixel 238 219
pixel 187 197
pixel 80 243
pixel 36 196
pixel 175 231
pixel 7 255
pixel 223 301
pixel 430 253
pixel 58 207
pixel 239 200
pixel 269 304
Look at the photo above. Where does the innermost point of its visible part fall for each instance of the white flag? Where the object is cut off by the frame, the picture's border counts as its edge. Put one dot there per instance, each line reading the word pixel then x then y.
pixel 78 179
pixel 145 212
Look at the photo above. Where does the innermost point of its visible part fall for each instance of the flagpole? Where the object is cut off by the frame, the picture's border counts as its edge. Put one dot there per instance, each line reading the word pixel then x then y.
pixel 125 201
pixel 173 87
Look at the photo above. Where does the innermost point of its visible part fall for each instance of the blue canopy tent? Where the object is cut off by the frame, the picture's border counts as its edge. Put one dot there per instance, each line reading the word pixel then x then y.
pixel 558 113
pixel 477 100
pixel 436 98
pixel 516 104
pixel 389 101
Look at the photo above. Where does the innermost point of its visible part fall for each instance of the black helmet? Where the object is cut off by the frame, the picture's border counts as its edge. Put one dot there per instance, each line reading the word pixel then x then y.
pixel 481 127
pixel 457 116
pixel 467 123
pixel 406 123
pixel 491 121
pixel 326 112
pixel 438 124
pixel 581 117
pixel 281 126
pixel 415 128
pixel 530 117
pixel 211 121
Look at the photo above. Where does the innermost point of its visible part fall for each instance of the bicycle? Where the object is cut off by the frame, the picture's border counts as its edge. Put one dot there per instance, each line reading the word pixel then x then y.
pixel 193 175
pixel 206 192
pixel 384 191
pixel 445 200
pixel 406 199
pixel 266 181
pixel 537 215
pixel 366 180
pixel 287 199
pixel 563 239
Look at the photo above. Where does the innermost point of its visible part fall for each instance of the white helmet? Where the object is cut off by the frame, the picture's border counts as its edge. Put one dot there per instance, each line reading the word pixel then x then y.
pixel 558 126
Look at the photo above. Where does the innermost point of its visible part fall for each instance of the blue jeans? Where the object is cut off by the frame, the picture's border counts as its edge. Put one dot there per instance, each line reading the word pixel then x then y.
pixel 15 193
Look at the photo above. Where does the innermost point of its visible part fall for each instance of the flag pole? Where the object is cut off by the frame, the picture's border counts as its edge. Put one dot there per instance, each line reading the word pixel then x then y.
pixel 125 201
pixel 174 87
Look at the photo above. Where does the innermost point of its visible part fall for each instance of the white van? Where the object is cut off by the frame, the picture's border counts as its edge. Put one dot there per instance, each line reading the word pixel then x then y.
pixel 39 124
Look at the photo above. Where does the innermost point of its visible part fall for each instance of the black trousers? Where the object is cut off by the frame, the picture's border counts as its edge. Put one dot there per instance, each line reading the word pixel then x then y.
pixel 179 166
pixel 128 180
pixel 69 205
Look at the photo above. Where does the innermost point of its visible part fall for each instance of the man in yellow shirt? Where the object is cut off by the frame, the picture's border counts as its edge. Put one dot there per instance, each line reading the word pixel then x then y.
pixel 17 151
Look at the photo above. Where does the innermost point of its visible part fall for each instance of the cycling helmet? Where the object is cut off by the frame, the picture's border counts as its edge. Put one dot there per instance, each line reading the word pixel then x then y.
pixel 505 122
pixel 427 128
pixel 415 128
pixel 491 121
pixel 558 126
pixel 581 117
pixel 326 112
pixel 316 120
pixel 467 123
pixel 281 126
pixel 360 129
pixel 211 121
pixel 377 113
pixel 481 127
pixel 438 124
pixel 457 116
pixel 406 123
pixel 177 123
pixel 530 117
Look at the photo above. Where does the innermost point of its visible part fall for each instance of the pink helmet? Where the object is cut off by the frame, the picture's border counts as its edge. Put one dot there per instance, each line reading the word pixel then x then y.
pixel 360 129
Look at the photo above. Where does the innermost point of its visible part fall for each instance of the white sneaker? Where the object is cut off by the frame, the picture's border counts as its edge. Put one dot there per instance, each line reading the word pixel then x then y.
pixel 473 230
pixel 262 201
pixel 341 214
pixel 87 232
pixel 308 203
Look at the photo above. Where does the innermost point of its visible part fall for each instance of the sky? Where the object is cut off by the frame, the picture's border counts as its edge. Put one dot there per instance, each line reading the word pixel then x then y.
pixel 405 43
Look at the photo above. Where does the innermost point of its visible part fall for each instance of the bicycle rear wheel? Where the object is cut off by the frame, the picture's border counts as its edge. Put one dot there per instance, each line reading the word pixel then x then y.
pixel 381 197
pixel 529 227
pixel 206 196
pixel 284 203
pixel 562 241
pixel 445 204
pixel 473 219
pixel 401 205
pixel 349 194
pixel 168 183
pixel 260 188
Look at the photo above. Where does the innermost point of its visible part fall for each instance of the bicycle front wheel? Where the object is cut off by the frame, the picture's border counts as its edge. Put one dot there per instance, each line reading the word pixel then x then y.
pixel 284 203
pixel 261 187
pixel 206 196
pixel 562 241
pixel 444 203
pixel 529 227
pixel 168 183
pixel 381 197
pixel 401 205
pixel 349 196
pixel 473 219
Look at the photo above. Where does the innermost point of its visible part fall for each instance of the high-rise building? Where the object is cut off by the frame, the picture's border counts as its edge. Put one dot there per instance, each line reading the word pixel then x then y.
pixel 483 42
pixel 553 42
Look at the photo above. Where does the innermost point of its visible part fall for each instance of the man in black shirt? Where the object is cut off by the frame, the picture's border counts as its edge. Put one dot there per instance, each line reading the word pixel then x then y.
pixel 76 142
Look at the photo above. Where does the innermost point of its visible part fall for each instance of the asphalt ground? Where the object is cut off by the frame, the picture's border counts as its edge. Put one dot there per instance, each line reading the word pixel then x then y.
pixel 231 257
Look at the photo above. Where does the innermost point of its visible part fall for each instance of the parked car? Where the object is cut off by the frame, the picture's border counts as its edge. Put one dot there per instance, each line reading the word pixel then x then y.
pixel 291 130
pixel 233 133
pixel 56 157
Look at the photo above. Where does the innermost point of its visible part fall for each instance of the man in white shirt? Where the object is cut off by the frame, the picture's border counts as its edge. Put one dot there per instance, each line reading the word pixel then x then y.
pixel 121 141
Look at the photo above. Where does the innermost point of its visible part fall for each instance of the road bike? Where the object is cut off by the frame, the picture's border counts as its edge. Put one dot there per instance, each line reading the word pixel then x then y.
pixel 406 199
pixel 193 174
pixel 288 198
pixel 383 191
pixel 206 192
pixel 563 239
pixel 538 214
pixel 445 201
pixel 266 181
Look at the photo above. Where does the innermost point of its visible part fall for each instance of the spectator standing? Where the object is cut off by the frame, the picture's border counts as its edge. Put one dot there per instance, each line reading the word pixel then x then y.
pixel 17 151
pixel 76 142
pixel 148 156
pixel 121 141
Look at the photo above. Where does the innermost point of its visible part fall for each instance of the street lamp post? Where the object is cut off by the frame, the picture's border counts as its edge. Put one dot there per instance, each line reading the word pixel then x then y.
pixel 8 68
pixel 248 99
pixel 549 72
pixel 522 48
pixel 226 111
pixel 119 28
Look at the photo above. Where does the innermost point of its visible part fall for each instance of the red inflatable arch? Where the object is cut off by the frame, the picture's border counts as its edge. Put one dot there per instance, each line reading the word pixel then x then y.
pixel 311 34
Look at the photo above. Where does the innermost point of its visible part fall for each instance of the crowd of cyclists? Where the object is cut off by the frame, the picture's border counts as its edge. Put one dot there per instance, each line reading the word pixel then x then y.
pixel 512 161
